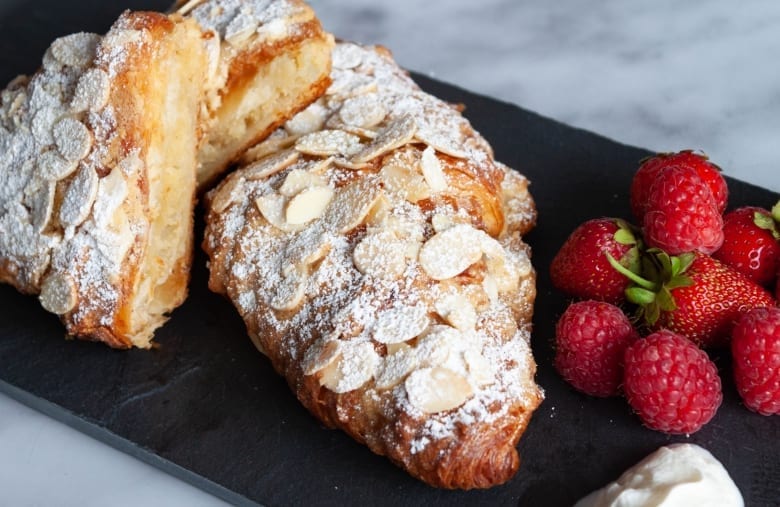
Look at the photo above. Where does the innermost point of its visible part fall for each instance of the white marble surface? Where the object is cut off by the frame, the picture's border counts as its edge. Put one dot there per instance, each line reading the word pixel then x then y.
pixel 664 75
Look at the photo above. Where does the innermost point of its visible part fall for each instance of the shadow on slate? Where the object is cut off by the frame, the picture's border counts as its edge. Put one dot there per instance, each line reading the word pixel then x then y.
pixel 205 406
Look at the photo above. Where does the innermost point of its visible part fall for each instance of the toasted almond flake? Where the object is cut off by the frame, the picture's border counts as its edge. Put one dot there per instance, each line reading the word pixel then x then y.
pixel 226 194
pixel 75 50
pixel 348 164
pixel 503 271
pixel 431 170
pixel 481 372
pixel 79 197
pixel 307 121
pixel 380 255
pixel 72 138
pixel 289 294
pixel 240 29
pixel 298 180
pixel 364 111
pixel 272 207
pixel 401 323
pixel 352 204
pixel 328 142
pixel 52 166
pixel 41 125
pixel 450 252
pixel 270 165
pixel 58 293
pixel 441 222
pixel 393 348
pixel 307 247
pixel 43 205
pixel 397 133
pixel 279 140
pixel 439 142
pixel 92 91
pixel 307 205
pixel 490 287
pixel 320 355
pixel 355 366
pixel 319 166
pixel 399 179
pixel 457 310
pixel 396 366
pixel 111 194
pixel 437 389
pixel 436 347
pixel 347 56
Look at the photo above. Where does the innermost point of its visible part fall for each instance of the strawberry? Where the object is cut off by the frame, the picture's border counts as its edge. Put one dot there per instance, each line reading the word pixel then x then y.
pixel 693 295
pixel 670 383
pixel 681 214
pixel 590 339
pixel 648 172
pixel 755 348
pixel 750 244
pixel 581 269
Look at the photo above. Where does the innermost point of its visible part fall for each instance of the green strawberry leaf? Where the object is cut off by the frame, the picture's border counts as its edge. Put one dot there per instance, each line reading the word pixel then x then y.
pixel 625 237
pixel 665 300
pixel 766 222
pixel 776 212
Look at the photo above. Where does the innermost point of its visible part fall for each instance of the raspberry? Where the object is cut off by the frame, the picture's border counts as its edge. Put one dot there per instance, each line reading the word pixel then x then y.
pixel 682 215
pixel 755 347
pixel 591 337
pixel 670 383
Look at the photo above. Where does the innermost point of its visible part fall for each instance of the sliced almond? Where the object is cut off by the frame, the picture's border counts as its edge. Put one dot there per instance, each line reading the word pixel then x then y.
pixel 227 193
pixel 450 252
pixel 307 121
pixel 42 206
pixel 52 166
pixel 347 56
pixel 273 207
pixel 348 164
pixel 41 125
pixel 79 197
pixel 503 272
pixel 438 345
pixel 298 180
pixel 270 165
pixel 279 140
pixel 112 191
pixel 72 138
pixel 380 255
pixel 401 323
pixel 397 133
pixel 364 111
pixel 58 293
pixel 92 91
pixel 289 293
pixel 320 355
pixel 481 372
pixel 355 366
pixel 395 367
pixel 431 170
pixel 457 311
pixel 437 389
pixel 328 142
pixel 240 29
pixel 307 205
pixel 307 247
pixel 402 181
pixel 75 50
pixel 441 222
pixel 352 204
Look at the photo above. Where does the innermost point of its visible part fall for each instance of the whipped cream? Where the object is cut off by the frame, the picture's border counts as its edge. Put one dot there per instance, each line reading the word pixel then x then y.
pixel 674 475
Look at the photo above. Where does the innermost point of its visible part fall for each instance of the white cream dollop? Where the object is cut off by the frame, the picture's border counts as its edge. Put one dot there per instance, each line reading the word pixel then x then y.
pixel 675 475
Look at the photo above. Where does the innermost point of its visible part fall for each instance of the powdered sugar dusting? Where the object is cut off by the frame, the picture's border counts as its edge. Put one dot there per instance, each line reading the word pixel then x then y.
pixel 360 268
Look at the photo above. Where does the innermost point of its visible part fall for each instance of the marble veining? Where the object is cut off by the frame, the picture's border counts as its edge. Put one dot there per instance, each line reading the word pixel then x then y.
pixel 664 75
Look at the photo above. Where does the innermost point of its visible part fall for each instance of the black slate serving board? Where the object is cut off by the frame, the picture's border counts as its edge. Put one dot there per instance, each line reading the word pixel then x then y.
pixel 207 407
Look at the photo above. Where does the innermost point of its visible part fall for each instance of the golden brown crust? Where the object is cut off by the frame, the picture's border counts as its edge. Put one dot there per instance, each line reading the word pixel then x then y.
pixel 336 243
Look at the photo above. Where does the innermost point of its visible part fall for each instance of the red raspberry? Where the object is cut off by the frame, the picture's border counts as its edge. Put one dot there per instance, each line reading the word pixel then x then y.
pixel 670 383
pixel 591 337
pixel 650 168
pixel 681 214
pixel 755 347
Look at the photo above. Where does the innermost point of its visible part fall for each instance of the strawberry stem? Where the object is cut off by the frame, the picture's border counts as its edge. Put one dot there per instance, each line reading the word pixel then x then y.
pixel 647 284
